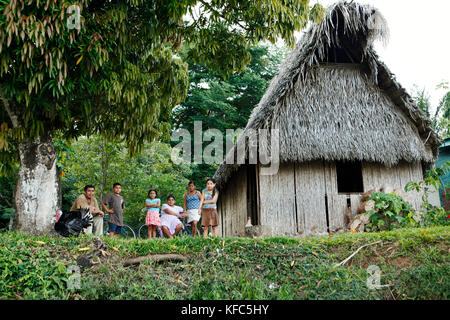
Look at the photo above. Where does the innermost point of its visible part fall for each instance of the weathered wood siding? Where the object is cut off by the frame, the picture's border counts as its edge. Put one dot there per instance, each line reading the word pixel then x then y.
pixel 277 201
pixel 377 175
pixel 302 199
pixel 336 203
pixel 232 205
pixel 310 192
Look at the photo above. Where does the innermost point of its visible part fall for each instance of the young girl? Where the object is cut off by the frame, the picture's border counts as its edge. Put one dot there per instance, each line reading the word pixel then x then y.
pixel 208 203
pixel 152 220
pixel 191 206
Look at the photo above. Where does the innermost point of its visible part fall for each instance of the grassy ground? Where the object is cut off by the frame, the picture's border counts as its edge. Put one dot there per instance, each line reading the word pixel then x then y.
pixel 414 262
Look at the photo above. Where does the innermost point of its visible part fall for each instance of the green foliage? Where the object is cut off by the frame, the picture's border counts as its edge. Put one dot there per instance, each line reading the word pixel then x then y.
pixel 104 76
pixel 220 31
pixel 432 282
pixel 6 213
pixel 440 120
pixel 390 211
pixel 7 186
pixel 224 103
pixel 95 161
pixel 9 157
pixel 431 215
pixel 442 116
pixel 436 216
pixel 422 99
pixel 218 268
pixel 227 104
pixel 30 273
pixel 117 75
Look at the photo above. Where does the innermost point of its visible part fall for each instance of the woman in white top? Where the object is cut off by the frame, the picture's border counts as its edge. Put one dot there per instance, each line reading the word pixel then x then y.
pixel 170 218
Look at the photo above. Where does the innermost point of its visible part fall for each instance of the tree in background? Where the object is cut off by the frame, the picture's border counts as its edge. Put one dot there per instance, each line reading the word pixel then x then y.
pixel 440 120
pixel 100 163
pixel 225 103
pixel 7 184
pixel 112 72
pixel 107 77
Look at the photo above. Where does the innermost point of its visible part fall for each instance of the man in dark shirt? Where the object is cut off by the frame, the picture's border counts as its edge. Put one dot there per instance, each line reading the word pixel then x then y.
pixel 114 204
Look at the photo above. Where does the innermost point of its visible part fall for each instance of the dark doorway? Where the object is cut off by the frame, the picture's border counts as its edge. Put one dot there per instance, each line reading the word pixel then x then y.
pixel 349 176
pixel 252 195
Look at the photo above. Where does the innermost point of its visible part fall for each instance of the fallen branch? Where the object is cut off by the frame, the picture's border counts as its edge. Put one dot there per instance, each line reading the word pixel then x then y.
pixel 351 256
pixel 155 257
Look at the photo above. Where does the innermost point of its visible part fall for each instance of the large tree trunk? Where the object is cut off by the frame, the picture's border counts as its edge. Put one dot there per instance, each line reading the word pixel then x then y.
pixel 37 193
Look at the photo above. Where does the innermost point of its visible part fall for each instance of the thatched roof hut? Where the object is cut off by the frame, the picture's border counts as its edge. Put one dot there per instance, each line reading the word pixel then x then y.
pixel 333 101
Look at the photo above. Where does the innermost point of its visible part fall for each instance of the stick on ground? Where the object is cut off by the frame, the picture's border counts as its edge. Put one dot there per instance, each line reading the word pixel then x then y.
pixel 351 256
pixel 156 257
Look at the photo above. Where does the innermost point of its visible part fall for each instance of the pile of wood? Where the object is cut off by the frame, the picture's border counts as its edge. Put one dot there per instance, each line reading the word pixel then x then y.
pixel 360 221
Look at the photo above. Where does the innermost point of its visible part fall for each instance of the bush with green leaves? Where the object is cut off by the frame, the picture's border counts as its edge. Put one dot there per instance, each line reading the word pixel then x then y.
pixel 390 211
pixel 431 215
pixel 5 214
pixel 414 261
pixel 28 271
pixel 7 186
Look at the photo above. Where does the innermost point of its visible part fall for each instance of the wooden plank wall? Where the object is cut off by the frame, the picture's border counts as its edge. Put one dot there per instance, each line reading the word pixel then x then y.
pixel 277 201
pixel 310 193
pixel 377 175
pixel 355 200
pixel 287 212
pixel 416 175
pixel 337 203
pixel 292 202
pixel 232 205
pixel 269 201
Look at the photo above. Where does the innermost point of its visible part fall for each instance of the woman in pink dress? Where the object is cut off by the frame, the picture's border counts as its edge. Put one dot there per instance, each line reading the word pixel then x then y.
pixel 170 218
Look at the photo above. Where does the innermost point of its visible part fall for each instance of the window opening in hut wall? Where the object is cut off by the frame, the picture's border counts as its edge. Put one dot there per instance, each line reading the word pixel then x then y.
pixel 349 176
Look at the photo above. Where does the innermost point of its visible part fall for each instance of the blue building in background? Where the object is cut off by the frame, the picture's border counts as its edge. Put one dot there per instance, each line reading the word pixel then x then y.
pixel 444 190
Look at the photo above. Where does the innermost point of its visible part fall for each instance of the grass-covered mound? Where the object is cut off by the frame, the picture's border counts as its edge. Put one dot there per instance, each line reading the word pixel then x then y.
pixel 414 262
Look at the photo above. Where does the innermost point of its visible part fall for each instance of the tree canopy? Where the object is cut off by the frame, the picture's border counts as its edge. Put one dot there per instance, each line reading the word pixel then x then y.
pixel 224 103
pixel 440 119
pixel 117 74
pixel 85 67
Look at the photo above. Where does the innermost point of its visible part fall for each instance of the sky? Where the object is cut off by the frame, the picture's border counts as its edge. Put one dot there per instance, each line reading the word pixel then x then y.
pixel 418 50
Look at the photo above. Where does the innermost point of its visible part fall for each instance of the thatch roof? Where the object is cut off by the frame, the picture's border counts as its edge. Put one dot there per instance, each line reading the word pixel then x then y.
pixel 333 99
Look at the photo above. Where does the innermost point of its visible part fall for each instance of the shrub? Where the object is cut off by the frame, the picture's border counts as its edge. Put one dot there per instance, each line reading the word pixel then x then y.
pixel 431 215
pixel 390 211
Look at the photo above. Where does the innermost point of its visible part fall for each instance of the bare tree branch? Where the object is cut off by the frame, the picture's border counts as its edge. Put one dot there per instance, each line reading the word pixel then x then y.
pixel 9 110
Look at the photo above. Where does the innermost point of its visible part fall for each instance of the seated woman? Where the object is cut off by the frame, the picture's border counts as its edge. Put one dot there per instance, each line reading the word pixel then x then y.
pixel 170 218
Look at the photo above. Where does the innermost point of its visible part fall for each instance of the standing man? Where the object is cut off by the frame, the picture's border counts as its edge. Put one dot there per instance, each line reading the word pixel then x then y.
pixel 114 204
pixel 87 200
